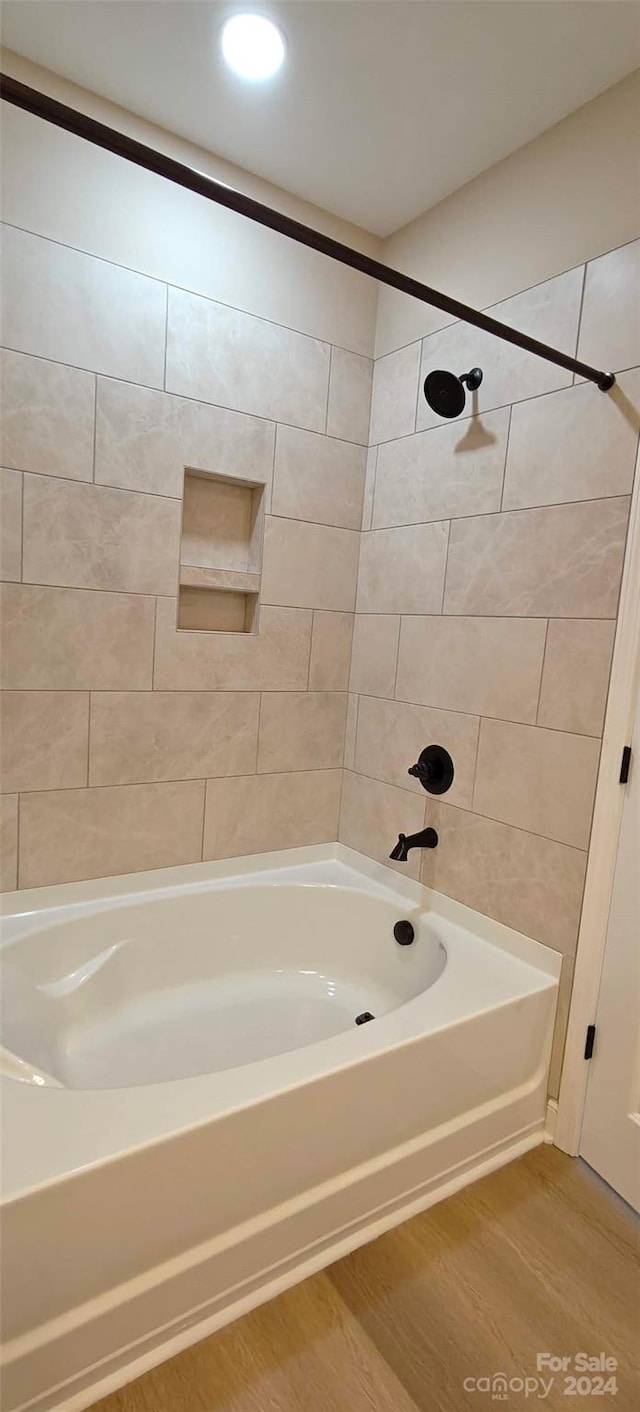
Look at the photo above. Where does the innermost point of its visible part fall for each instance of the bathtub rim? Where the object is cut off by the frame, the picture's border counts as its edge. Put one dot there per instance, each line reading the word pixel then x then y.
pixel 24 1103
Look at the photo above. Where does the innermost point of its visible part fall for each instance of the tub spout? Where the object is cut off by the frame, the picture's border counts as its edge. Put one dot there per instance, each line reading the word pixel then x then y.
pixel 427 838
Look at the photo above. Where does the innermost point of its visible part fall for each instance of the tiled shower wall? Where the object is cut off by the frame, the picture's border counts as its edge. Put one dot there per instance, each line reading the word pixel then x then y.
pixel 488 586
pixel 127 744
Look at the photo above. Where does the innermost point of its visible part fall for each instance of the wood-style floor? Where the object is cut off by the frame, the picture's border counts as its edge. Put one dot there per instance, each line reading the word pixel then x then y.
pixel 539 1257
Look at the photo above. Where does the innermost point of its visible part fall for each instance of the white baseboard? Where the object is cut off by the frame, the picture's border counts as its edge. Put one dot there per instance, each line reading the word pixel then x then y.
pixel 297 1261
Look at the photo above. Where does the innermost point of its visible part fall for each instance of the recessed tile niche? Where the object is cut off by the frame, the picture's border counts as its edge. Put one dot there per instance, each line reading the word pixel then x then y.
pixel 220 554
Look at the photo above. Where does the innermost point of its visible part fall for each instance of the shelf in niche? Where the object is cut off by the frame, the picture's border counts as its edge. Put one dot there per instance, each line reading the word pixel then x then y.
pixel 221 552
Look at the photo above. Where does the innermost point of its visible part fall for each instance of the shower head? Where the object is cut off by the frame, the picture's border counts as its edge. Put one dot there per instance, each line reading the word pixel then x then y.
pixel 445 392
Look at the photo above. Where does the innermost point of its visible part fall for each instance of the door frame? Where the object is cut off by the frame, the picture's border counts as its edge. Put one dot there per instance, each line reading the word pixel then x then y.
pixel 603 847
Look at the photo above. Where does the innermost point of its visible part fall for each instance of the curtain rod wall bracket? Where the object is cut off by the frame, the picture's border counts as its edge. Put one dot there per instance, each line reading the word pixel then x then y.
pixel 62 116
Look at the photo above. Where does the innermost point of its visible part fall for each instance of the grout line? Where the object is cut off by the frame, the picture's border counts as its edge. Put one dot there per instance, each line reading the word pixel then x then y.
pixel 313 624
pixel 417 396
pixel 395 675
pixel 441 614
pixel 506 462
pixel 18 841
pixel 326 409
pixel 153 645
pixel 89 736
pixel 542 666
pixel 95 433
pixel 166 338
pixel 22 476
pixel 580 309
pixel 204 817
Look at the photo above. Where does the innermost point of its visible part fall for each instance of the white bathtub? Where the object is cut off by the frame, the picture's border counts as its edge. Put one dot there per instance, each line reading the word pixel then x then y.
pixel 193 1120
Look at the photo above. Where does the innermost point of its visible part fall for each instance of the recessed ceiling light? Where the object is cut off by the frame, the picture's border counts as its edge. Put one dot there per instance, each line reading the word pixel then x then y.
pixel 252 46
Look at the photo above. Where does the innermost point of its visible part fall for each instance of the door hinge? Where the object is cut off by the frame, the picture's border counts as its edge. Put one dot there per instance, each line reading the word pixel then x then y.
pixel 589 1041
pixel 624 764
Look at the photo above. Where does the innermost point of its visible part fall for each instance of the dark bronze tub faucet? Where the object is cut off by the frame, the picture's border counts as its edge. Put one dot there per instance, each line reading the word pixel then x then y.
pixel 427 838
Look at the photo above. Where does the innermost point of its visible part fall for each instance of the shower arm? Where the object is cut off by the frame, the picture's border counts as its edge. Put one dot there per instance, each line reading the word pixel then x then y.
pixel 42 106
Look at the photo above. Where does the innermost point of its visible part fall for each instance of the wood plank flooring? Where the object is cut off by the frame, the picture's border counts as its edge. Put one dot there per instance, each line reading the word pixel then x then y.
pixel 539 1257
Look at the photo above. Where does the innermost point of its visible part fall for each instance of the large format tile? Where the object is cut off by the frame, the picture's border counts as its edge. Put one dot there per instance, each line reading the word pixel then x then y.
pixel 374 654
pixel 70 639
pixel 548 311
pixel 393 397
pixel 301 730
pixel 8 842
pixel 518 878
pixel 44 739
pixel 10 525
pixel 391 736
pixel 448 471
pixel 144 440
pixel 349 396
pixel 309 566
pixel 218 354
pixel 258 813
pixel 274 659
pixel 402 570
pixel 573 445
pixel 89 536
pixel 610 323
pixel 488 666
pixel 563 560
pixel 318 478
pixel 173 735
pixel 330 651
pixel 47 416
pixel 575 681
pixel 372 815
pixel 93 833
pixel 540 780
pixel 61 304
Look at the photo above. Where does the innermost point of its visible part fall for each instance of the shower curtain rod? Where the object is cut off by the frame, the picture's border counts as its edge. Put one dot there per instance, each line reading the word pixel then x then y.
pixel 40 104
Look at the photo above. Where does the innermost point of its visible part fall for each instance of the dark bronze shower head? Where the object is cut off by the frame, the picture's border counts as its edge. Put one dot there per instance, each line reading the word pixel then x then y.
pixel 445 392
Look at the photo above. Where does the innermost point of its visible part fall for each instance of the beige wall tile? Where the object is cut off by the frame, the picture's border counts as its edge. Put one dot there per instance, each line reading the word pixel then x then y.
pixel 402 570
pixel 73 640
pixel 309 566
pixel 93 833
pixel 373 814
pixel 560 1028
pixel 350 732
pixel 369 487
pixel 10 525
pixel 44 739
pixel 521 879
pixel 88 536
pixel 258 813
pixel 274 659
pixel 393 398
pixel 349 396
pixel 488 666
pixel 318 478
pixel 575 680
pixel 174 735
pixel 330 651
pixel 144 439
pixel 548 311
pixel 374 654
pixel 47 416
pixel 540 780
pixel 301 730
pixel 61 304
pixel 218 354
pixel 391 736
pixel 8 842
pixel 610 323
pixel 449 470
pixel 573 445
pixel 565 561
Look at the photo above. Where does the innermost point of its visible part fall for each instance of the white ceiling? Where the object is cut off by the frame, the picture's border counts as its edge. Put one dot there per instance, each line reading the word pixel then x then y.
pixel 383 108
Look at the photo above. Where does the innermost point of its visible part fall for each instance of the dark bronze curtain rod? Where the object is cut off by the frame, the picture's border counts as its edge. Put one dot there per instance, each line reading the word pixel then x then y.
pixel 117 142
